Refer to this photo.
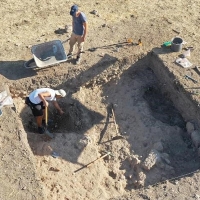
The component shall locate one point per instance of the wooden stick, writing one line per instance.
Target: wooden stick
(46, 116)
(98, 159)
(51, 135)
(89, 164)
(114, 120)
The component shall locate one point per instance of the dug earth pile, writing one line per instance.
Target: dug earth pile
(131, 124)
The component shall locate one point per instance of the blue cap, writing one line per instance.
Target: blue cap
(74, 9)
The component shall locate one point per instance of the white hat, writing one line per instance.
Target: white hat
(60, 92)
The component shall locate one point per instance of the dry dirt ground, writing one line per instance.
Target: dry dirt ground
(156, 159)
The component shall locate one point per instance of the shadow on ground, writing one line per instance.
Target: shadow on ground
(15, 70)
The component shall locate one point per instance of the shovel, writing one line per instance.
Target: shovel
(46, 124)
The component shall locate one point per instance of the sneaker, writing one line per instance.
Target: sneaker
(69, 55)
(41, 130)
(78, 60)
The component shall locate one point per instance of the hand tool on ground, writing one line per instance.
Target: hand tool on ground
(189, 77)
(46, 124)
(191, 48)
(89, 164)
(118, 136)
(120, 44)
(111, 112)
(65, 40)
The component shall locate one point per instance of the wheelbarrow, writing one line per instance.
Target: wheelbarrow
(47, 54)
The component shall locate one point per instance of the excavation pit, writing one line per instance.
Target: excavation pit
(155, 147)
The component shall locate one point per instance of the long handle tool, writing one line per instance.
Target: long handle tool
(89, 164)
(118, 135)
(189, 77)
(46, 124)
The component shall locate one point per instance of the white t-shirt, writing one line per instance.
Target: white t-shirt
(34, 98)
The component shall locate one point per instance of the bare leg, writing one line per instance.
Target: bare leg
(39, 121)
(43, 117)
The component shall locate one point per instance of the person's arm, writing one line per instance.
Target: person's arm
(42, 96)
(85, 26)
(72, 24)
(58, 107)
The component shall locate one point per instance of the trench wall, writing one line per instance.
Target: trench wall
(170, 77)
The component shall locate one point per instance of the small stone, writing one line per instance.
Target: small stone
(151, 160)
(94, 12)
(83, 142)
(197, 196)
(141, 178)
(195, 136)
(176, 182)
(165, 156)
(24, 188)
(190, 127)
(158, 146)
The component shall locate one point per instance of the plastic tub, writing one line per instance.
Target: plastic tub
(176, 45)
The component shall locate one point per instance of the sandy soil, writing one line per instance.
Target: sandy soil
(154, 159)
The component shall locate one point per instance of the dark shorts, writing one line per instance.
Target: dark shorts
(37, 109)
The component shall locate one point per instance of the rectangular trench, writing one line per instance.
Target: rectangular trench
(171, 82)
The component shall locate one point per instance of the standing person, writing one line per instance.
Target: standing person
(79, 32)
(38, 100)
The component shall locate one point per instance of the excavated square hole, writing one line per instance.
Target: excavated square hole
(155, 145)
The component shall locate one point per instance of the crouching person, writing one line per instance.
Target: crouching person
(39, 99)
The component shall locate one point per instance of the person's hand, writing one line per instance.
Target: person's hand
(61, 112)
(83, 39)
(46, 104)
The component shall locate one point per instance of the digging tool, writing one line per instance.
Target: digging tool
(46, 124)
(128, 41)
(65, 40)
(89, 164)
(113, 114)
(118, 136)
(189, 77)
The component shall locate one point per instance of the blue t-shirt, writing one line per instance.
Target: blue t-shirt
(78, 24)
